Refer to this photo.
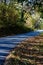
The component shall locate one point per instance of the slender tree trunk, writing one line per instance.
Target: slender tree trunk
(5, 1)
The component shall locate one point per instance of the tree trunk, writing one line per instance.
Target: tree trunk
(5, 1)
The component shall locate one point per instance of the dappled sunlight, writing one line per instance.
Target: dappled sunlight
(29, 20)
(36, 15)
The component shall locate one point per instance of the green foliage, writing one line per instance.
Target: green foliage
(8, 15)
(12, 16)
(10, 19)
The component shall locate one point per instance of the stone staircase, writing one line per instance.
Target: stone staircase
(9, 42)
(31, 49)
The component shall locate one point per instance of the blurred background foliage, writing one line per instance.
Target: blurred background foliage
(21, 15)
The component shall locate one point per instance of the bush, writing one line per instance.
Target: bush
(10, 20)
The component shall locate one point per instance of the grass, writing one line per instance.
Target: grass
(41, 34)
